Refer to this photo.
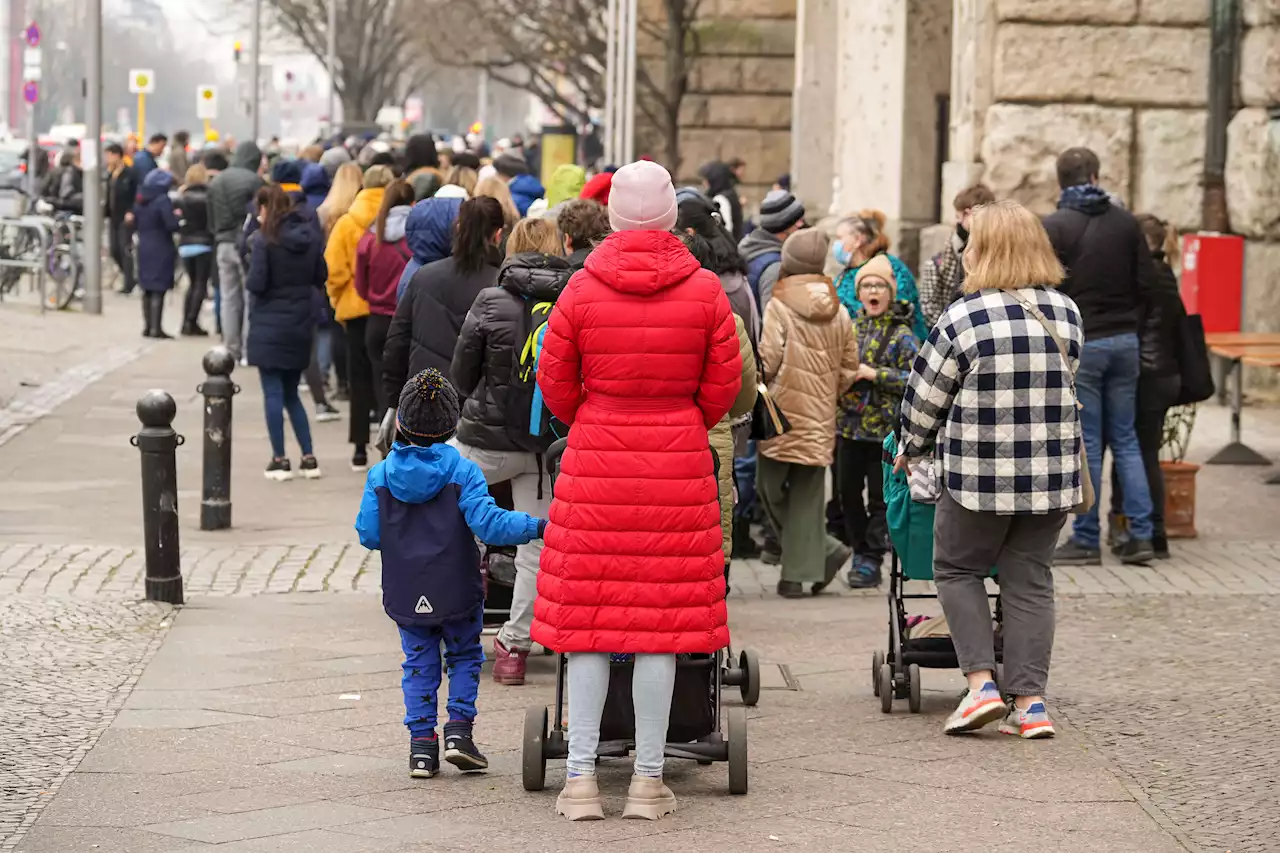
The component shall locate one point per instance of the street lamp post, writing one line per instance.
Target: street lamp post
(256, 97)
(331, 63)
(91, 161)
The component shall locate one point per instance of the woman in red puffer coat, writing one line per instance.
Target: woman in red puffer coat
(641, 359)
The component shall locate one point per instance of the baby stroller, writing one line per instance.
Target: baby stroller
(694, 731)
(897, 674)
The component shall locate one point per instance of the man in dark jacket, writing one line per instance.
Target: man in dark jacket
(1110, 276)
(121, 190)
(781, 215)
(147, 159)
(230, 195)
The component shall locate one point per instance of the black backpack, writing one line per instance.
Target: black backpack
(529, 422)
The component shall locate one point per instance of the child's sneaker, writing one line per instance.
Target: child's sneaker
(864, 573)
(977, 709)
(1031, 724)
(460, 750)
(279, 470)
(424, 757)
(310, 468)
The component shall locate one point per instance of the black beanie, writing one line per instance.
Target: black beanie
(428, 411)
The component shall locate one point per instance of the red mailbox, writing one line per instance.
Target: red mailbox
(1213, 279)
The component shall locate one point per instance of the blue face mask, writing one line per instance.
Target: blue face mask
(840, 253)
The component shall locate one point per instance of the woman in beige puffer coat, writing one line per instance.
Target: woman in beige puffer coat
(810, 356)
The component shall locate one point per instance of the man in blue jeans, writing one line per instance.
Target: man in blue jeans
(1110, 276)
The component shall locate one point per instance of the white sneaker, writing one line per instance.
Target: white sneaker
(1031, 724)
(977, 709)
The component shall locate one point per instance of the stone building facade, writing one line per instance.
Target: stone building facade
(738, 102)
(1020, 80)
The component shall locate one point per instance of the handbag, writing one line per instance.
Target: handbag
(767, 420)
(1087, 495)
(1194, 368)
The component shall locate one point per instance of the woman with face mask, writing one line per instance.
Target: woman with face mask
(859, 238)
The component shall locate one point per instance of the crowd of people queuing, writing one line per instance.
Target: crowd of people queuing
(471, 315)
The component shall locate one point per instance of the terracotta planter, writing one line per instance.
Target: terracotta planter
(1179, 499)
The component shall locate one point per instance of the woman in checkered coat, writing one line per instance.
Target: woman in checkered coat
(993, 391)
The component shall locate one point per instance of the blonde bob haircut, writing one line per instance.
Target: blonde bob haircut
(1009, 250)
(535, 235)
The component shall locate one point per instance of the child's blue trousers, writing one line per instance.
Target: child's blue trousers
(463, 654)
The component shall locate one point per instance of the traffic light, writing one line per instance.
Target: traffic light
(237, 52)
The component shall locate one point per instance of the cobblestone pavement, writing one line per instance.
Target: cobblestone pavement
(66, 667)
(86, 571)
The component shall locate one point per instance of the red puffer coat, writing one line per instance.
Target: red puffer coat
(641, 359)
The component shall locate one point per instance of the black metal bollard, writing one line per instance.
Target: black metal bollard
(218, 389)
(158, 443)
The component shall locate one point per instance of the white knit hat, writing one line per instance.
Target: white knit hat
(642, 198)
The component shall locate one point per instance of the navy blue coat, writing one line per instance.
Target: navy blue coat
(156, 224)
(286, 279)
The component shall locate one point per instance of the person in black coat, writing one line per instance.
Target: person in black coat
(1159, 380)
(286, 280)
(195, 245)
(430, 313)
(121, 189)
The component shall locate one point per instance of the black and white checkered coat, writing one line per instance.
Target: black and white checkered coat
(991, 391)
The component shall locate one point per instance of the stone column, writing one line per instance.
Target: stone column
(893, 63)
(973, 51)
(813, 122)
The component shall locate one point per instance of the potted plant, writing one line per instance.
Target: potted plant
(1179, 475)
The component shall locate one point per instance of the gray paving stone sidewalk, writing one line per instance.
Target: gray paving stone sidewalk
(245, 734)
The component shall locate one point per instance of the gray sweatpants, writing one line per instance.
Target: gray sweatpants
(235, 308)
(966, 544)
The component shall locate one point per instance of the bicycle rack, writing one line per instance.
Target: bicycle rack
(43, 227)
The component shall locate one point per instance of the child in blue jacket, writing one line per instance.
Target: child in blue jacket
(423, 506)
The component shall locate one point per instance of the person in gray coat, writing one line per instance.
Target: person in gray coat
(230, 196)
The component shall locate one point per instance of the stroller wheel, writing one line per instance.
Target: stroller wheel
(533, 755)
(749, 664)
(886, 688)
(913, 688)
(877, 661)
(737, 750)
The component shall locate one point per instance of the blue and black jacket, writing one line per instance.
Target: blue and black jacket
(421, 507)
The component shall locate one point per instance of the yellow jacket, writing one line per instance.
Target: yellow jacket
(340, 255)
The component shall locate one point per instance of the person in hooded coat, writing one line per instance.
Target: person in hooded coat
(640, 359)
(429, 233)
(566, 183)
(315, 184)
(722, 189)
(525, 190)
(380, 261)
(351, 310)
(495, 428)
(430, 312)
(156, 224)
(230, 194)
(286, 276)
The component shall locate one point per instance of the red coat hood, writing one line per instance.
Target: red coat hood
(641, 262)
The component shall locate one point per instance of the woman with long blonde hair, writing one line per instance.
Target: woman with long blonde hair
(496, 188)
(994, 390)
(347, 183)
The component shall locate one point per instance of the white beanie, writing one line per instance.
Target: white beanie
(642, 198)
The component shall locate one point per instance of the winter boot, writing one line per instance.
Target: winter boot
(508, 664)
(580, 799)
(459, 749)
(424, 757)
(156, 315)
(648, 799)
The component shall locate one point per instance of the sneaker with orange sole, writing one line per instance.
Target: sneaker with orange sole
(977, 709)
(1031, 724)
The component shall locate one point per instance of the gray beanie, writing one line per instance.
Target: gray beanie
(805, 252)
(779, 211)
(428, 411)
(333, 158)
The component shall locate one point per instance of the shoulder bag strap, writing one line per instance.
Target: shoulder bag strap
(1034, 310)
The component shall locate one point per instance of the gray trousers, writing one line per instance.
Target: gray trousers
(966, 545)
(235, 312)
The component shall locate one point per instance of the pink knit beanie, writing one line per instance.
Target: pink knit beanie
(642, 198)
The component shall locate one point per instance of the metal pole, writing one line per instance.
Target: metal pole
(218, 389)
(33, 151)
(610, 61)
(482, 106)
(331, 64)
(1223, 59)
(629, 116)
(256, 97)
(159, 443)
(91, 160)
(620, 84)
